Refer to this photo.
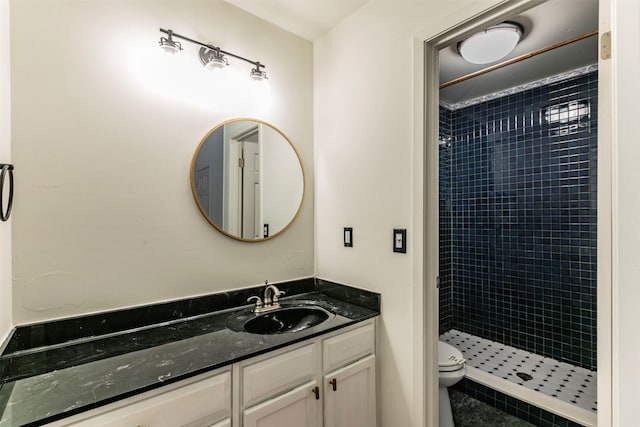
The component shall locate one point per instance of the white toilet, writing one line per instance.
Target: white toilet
(451, 369)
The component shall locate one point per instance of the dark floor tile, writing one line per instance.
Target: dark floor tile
(469, 412)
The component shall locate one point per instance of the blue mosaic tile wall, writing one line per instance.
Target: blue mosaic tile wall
(445, 297)
(522, 197)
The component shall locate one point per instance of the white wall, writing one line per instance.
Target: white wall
(625, 65)
(362, 106)
(104, 129)
(5, 157)
(367, 74)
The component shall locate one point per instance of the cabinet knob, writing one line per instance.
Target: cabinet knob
(316, 391)
(334, 384)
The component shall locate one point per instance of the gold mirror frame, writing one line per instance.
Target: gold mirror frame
(204, 212)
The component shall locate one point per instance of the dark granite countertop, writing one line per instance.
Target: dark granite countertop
(57, 369)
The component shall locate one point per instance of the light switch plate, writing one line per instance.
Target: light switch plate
(348, 237)
(400, 240)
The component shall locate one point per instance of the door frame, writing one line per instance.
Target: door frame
(429, 130)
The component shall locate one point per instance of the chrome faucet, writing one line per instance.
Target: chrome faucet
(271, 295)
(259, 304)
(270, 300)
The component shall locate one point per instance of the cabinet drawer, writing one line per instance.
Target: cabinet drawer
(269, 377)
(348, 347)
(199, 404)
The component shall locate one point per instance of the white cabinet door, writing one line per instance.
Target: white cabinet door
(296, 408)
(350, 395)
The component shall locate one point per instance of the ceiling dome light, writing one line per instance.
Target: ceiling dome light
(169, 45)
(212, 59)
(492, 44)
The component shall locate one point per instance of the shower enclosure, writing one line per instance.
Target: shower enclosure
(518, 215)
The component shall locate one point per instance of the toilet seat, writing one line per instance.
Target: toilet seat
(452, 369)
(449, 358)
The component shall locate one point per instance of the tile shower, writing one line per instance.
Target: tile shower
(518, 220)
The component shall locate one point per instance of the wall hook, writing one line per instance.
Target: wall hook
(7, 169)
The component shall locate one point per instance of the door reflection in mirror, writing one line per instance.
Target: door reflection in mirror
(247, 178)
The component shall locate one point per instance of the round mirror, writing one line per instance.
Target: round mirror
(247, 179)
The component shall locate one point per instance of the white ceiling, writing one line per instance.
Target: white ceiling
(551, 22)
(308, 19)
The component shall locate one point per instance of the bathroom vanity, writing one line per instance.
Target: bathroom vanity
(190, 367)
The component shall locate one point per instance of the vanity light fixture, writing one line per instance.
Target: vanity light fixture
(212, 57)
(491, 44)
(256, 74)
(169, 45)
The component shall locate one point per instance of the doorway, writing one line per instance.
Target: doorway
(242, 184)
(432, 49)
